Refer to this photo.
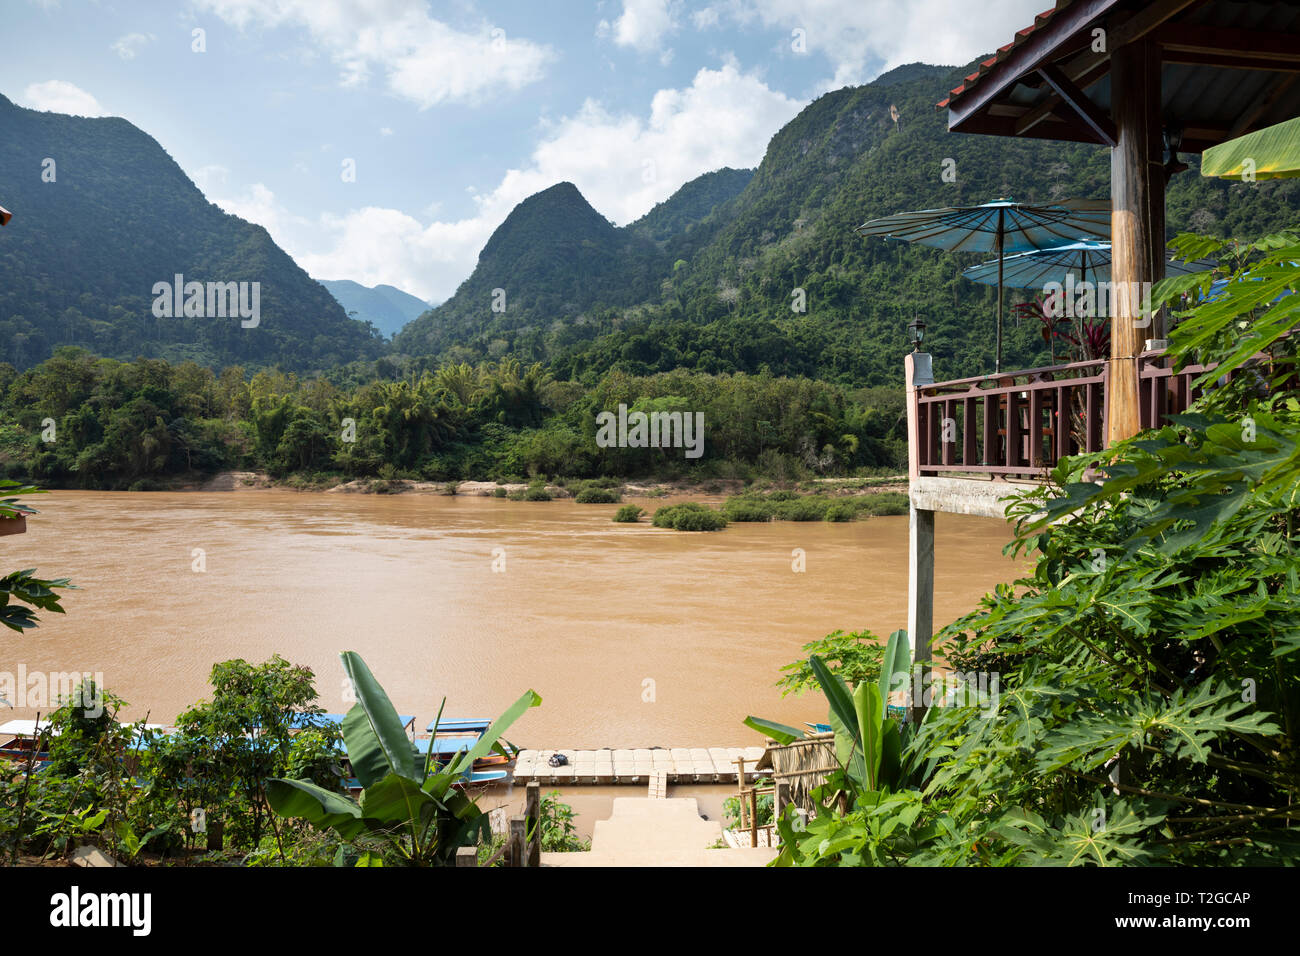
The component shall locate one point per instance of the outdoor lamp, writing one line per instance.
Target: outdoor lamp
(917, 328)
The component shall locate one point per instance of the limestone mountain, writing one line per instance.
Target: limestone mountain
(724, 287)
(101, 214)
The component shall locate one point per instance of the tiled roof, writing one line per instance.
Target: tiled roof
(1021, 36)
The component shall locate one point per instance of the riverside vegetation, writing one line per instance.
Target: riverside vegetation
(1150, 688)
(242, 782)
(77, 420)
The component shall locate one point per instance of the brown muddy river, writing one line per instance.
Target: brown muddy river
(634, 636)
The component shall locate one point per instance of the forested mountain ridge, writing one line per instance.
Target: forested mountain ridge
(723, 296)
(555, 256)
(101, 214)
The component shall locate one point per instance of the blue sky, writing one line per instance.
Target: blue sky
(453, 112)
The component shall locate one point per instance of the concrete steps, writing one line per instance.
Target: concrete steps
(645, 831)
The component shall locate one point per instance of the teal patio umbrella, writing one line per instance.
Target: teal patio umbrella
(1087, 261)
(1002, 226)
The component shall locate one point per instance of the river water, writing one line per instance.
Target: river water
(634, 636)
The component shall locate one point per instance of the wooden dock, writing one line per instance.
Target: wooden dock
(678, 764)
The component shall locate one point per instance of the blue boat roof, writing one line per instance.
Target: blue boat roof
(472, 724)
(302, 721)
(446, 745)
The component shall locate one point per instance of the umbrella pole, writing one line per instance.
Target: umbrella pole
(997, 361)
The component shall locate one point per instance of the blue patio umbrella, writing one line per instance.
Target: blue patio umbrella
(1002, 226)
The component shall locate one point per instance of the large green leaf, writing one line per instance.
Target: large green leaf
(896, 668)
(397, 799)
(318, 806)
(869, 709)
(377, 744)
(837, 695)
(1272, 153)
(485, 743)
(781, 733)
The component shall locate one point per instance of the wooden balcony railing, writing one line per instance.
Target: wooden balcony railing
(1020, 424)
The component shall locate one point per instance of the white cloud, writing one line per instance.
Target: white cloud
(132, 43)
(643, 24)
(622, 163)
(60, 96)
(422, 59)
(259, 205)
(866, 37)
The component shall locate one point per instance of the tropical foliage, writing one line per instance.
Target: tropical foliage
(81, 421)
(411, 811)
(1135, 698)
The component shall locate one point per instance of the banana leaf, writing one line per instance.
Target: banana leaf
(318, 806)
(483, 747)
(397, 799)
(781, 733)
(896, 668)
(377, 744)
(1272, 152)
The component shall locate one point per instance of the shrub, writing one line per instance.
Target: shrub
(537, 493)
(745, 508)
(841, 512)
(598, 496)
(628, 514)
(689, 516)
(885, 503)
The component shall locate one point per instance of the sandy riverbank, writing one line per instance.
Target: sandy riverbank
(228, 481)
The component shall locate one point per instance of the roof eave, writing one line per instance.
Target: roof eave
(1064, 24)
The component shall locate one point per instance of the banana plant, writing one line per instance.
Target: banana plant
(410, 808)
(868, 742)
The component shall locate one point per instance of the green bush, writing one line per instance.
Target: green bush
(628, 514)
(841, 512)
(537, 493)
(689, 516)
(598, 496)
(746, 508)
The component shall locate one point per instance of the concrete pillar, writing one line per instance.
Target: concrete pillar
(920, 581)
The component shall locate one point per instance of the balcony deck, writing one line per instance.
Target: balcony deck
(1019, 424)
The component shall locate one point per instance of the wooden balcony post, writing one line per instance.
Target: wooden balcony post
(533, 814)
(920, 548)
(916, 372)
(1135, 97)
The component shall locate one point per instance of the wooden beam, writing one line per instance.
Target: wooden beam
(1026, 57)
(1233, 61)
(1246, 123)
(1051, 127)
(1157, 182)
(1078, 101)
(1083, 75)
(1147, 19)
(1248, 44)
